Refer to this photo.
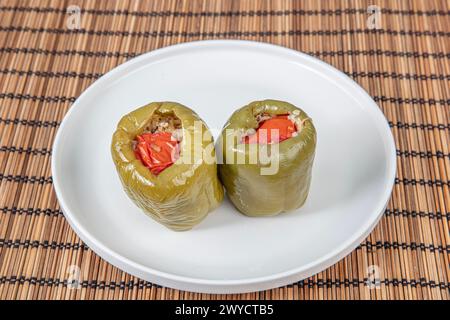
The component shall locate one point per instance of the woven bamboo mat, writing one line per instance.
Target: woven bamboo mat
(404, 65)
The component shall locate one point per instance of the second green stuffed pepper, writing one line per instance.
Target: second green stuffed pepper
(268, 150)
(164, 155)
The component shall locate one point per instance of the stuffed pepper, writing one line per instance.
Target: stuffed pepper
(163, 155)
(267, 157)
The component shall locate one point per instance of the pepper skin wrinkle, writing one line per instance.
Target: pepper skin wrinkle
(251, 192)
(181, 195)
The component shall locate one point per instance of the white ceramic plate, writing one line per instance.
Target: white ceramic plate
(353, 172)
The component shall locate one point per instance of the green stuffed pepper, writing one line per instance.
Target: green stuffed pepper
(163, 155)
(268, 151)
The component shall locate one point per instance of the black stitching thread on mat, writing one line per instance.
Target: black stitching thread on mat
(362, 74)
(249, 13)
(414, 214)
(422, 282)
(32, 211)
(93, 284)
(140, 284)
(421, 126)
(378, 52)
(400, 153)
(422, 182)
(7, 243)
(26, 179)
(34, 98)
(31, 123)
(102, 54)
(402, 245)
(370, 246)
(186, 34)
(52, 74)
(400, 76)
(421, 101)
(388, 212)
(57, 99)
(106, 54)
(55, 124)
(43, 180)
(422, 154)
(29, 150)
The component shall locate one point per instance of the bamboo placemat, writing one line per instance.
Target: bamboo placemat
(404, 65)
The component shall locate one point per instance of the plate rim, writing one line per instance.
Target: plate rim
(241, 285)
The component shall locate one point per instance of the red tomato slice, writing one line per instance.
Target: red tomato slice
(157, 151)
(263, 134)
